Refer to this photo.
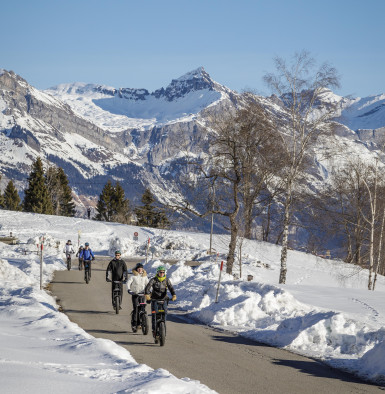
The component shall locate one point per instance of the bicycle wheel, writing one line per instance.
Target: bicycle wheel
(87, 276)
(162, 333)
(144, 323)
(68, 263)
(117, 304)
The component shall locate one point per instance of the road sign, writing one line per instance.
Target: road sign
(135, 236)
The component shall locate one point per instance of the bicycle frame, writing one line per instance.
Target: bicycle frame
(160, 320)
(87, 270)
(116, 295)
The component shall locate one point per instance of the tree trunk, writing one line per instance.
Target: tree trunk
(233, 244)
(379, 251)
(285, 239)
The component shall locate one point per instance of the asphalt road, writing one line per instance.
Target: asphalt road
(224, 362)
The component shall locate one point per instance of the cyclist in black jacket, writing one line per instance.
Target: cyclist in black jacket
(158, 286)
(116, 270)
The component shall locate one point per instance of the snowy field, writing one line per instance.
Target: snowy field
(324, 311)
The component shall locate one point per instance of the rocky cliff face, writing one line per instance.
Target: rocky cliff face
(98, 133)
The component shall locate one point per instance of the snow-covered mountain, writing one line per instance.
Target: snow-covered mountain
(120, 109)
(96, 132)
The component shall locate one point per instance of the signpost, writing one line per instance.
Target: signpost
(148, 246)
(219, 282)
(41, 262)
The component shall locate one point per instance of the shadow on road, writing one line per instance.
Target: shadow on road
(127, 343)
(68, 283)
(87, 312)
(112, 332)
(320, 370)
(237, 340)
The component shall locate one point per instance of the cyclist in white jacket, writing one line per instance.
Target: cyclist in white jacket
(68, 249)
(136, 284)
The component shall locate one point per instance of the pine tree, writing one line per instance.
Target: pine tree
(11, 198)
(113, 205)
(67, 206)
(121, 206)
(37, 198)
(105, 205)
(149, 215)
(60, 192)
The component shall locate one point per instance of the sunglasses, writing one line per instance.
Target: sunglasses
(161, 272)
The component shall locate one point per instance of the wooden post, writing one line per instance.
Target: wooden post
(148, 246)
(219, 282)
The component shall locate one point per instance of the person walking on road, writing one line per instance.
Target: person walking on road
(80, 259)
(156, 289)
(87, 255)
(117, 271)
(136, 284)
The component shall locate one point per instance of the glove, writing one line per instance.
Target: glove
(148, 297)
(108, 280)
(173, 298)
(93, 258)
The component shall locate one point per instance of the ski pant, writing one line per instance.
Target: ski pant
(87, 262)
(135, 305)
(154, 309)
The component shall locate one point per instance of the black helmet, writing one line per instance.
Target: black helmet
(69, 241)
(86, 244)
(139, 265)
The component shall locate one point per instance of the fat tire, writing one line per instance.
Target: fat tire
(117, 305)
(144, 323)
(162, 333)
(68, 264)
(87, 276)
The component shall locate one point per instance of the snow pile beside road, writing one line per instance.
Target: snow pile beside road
(272, 315)
(324, 310)
(41, 350)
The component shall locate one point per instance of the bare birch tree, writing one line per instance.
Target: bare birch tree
(237, 141)
(300, 87)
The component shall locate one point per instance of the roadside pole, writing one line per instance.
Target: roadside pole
(41, 265)
(148, 246)
(79, 233)
(219, 282)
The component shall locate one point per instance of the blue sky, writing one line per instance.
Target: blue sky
(146, 43)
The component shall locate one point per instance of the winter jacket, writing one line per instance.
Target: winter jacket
(79, 251)
(137, 283)
(116, 270)
(158, 289)
(86, 254)
(68, 249)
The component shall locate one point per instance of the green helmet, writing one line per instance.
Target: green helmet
(161, 268)
(118, 252)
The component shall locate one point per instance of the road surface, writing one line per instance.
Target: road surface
(224, 362)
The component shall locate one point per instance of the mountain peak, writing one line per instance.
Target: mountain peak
(198, 73)
(195, 80)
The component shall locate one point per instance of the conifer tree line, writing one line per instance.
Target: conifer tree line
(48, 192)
(113, 206)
